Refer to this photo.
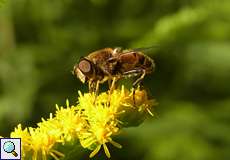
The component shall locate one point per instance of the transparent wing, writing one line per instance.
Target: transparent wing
(144, 49)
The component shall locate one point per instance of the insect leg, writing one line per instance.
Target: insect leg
(134, 72)
(96, 90)
(111, 89)
(109, 83)
(90, 85)
(97, 87)
(137, 81)
(140, 78)
(113, 84)
(134, 101)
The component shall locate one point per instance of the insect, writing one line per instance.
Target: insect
(110, 65)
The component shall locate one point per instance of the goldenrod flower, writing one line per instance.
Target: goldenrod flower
(70, 121)
(105, 118)
(41, 144)
(25, 138)
(94, 121)
(101, 117)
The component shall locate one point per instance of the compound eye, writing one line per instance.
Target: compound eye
(85, 66)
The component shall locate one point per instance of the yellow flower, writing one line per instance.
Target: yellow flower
(139, 100)
(104, 116)
(94, 121)
(25, 138)
(42, 144)
(101, 122)
(70, 121)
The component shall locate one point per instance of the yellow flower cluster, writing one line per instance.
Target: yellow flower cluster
(93, 121)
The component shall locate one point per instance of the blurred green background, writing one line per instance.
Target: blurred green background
(41, 40)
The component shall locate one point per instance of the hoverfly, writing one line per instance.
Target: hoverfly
(110, 65)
